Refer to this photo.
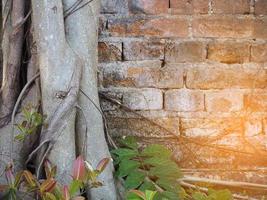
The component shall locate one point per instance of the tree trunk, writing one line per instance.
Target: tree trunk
(66, 41)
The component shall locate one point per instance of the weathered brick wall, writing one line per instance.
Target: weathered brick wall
(198, 68)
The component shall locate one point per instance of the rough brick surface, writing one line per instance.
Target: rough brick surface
(221, 76)
(145, 99)
(259, 53)
(225, 27)
(210, 127)
(224, 101)
(143, 50)
(260, 7)
(186, 52)
(184, 100)
(157, 27)
(229, 52)
(189, 7)
(253, 127)
(256, 102)
(143, 128)
(148, 6)
(231, 7)
(109, 51)
(142, 74)
(260, 28)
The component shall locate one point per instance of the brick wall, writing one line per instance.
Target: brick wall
(198, 68)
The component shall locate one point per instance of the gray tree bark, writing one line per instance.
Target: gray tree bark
(67, 60)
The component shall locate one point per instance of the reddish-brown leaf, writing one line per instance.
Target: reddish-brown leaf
(102, 164)
(79, 169)
(48, 185)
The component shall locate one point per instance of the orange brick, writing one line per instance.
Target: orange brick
(261, 7)
(231, 7)
(260, 28)
(143, 50)
(259, 53)
(256, 102)
(189, 7)
(185, 52)
(148, 6)
(142, 74)
(229, 52)
(227, 26)
(222, 76)
(109, 51)
(158, 27)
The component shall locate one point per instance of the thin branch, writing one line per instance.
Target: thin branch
(203, 189)
(180, 137)
(76, 8)
(225, 183)
(16, 107)
(110, 140)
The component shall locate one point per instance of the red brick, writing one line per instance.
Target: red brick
(148, 6)
(259, 53)
(229, 52)
(189, 7)
(109, 51)
(231, 7)
(143, 50)
(260, 28)
(157, 27)
(219, 77)
(142, 74)
(224, 26)
(261, 7)
(185, 52)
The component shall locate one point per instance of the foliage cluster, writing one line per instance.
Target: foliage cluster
(24, 184)
(150, 173)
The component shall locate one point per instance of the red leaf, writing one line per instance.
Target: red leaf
(10, 176)
(48, 185)
(102, 164)
(79, 169)
(66, 193)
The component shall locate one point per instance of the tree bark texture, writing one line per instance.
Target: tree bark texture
(66, 57)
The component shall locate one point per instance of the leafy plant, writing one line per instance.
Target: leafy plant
(151, 174)
(148, 169)
(32, 120)
(26, 184)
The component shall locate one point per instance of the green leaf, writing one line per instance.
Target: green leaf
(150, 194)
(75, 187)
(157, 150)
(169, 195)
(199, 196)
(134, 180)
(20, 137)
(168, 184)
(135, 195)
(129, 142)
(126, 167)
(159, 161)
(171, 171)
(147, 186)
(220, 195)
(124, 153)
